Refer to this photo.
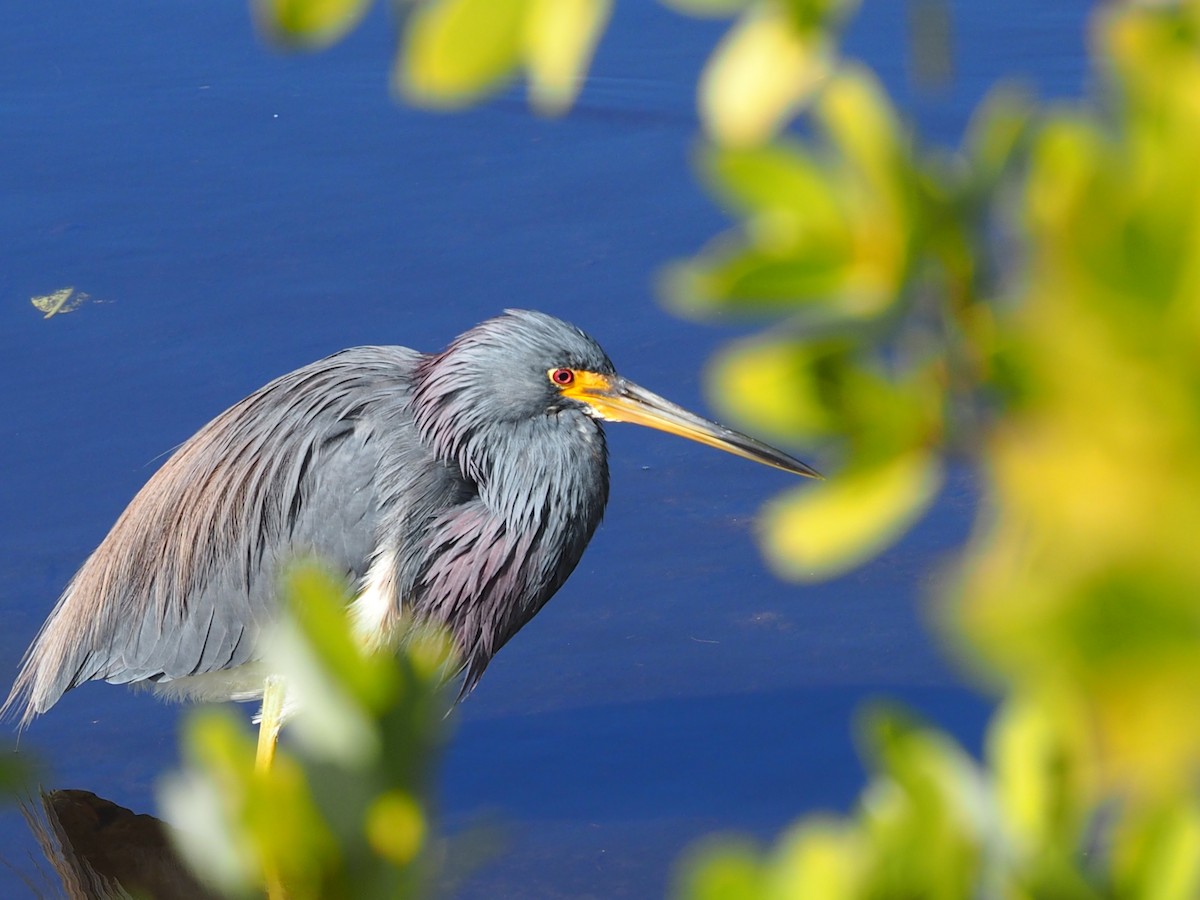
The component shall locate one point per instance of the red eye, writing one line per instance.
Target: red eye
(562, 377)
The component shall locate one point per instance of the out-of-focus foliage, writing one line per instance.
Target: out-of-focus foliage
(559, 39)
(1028, 303)
(833, 226)
(1086, 579)
(15, 773)
(310, 24)
(761, 74)
(933, 823)
(811, 535)
(345, 811)
(860, 244)
(456, 52)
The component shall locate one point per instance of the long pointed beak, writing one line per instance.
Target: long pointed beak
(616, 399)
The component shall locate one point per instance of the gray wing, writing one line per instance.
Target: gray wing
(184, 582)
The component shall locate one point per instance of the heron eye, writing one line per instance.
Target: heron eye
(562, 377)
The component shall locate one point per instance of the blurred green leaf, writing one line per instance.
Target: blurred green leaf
(818, 859)
(780, 388)
(818, 14)
(762, 73)
(828, 388)
(728, 870)
(560, 37)
(862, 126)
(926, 813)
(748, 281)
(322, 661)
(1035, 748)
(347, 811)
(1158, 856)
(815, 532)
(241, 828)
(821, 858)
(318, 606)
(310, 24)
(456, 51)
(996, 132)
(790, 202)
(858, 116)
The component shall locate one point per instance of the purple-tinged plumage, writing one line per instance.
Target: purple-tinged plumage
(460, 488)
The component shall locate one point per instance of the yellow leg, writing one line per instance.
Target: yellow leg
(274, 693)
(272, 718)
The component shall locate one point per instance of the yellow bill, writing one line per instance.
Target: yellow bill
(616, 399)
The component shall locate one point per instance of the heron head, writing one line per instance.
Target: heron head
(527, 365)
(489, 388)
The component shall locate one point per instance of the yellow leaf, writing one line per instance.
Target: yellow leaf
(218, 753)
(1042, 781)
(396, 827)
(341, 683)
(309, 23)
(560, 37)
(860, 119)
(458, 50)
(822, 531)
(821, 858)
(1160, 853)
(722, 870)
(61, 301)
(773, 386)
(760, 75)
(788, 198)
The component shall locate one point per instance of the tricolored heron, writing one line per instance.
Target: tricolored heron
(459, 488)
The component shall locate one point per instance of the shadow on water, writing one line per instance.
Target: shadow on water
(98, 850)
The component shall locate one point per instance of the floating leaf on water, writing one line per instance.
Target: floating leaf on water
(64, 300)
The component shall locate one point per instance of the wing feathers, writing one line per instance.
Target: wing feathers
(184, 582)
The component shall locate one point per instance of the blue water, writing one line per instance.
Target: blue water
(234, 213)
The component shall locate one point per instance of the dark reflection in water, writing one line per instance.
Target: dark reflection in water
(101, 851)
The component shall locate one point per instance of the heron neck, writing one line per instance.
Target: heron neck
(490, 563)
(544, 472)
